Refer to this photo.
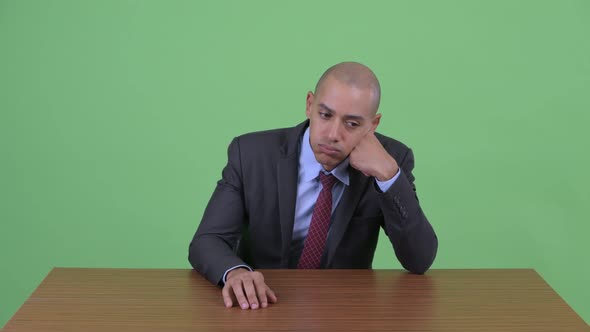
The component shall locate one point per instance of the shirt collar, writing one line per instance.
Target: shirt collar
(309, 168)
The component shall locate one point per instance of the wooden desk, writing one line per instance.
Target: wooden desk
(312, 300)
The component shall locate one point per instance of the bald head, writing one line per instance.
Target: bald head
(353, 74)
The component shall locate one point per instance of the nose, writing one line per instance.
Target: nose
(334, 133)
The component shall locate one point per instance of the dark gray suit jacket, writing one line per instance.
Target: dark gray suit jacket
(249, 219)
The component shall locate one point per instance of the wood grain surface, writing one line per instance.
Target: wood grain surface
(308, 300)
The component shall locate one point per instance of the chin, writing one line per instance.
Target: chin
(331, 163)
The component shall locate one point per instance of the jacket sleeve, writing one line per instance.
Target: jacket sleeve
(413, 238)
(212, 250)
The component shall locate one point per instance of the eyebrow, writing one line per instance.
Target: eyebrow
(348, 116)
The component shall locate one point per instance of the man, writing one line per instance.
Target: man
(313, 196)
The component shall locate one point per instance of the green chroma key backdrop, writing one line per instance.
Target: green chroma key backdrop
(116, 115)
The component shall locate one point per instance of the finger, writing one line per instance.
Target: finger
(239, 292)
(271, 295)
(227, 298)
(251, 293)
(261, 291)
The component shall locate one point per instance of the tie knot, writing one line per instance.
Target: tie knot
(327, 180)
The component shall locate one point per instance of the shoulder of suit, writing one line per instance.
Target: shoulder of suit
(391, 143)
(267, 142)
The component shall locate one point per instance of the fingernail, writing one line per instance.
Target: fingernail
(244, 306)
(254, 306)
(264, 304)
(228, 304)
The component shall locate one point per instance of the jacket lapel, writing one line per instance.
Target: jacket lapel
(344, 211)
(287, 173)
(287, 178)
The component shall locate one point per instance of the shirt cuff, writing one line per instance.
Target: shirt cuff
(385, 185)
(224, 279)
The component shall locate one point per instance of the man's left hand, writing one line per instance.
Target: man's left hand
(369, 157)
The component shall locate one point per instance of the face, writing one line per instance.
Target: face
(339, 116)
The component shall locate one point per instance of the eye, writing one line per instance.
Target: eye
(324, 115)
(352, 124)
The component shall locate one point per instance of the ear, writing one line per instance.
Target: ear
(308, 104)
(375, 122)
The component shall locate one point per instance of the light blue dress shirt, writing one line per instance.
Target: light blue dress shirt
(308, 190)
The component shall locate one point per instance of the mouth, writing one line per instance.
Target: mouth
(326, 149)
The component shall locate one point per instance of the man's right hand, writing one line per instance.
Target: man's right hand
(248, 289)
